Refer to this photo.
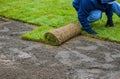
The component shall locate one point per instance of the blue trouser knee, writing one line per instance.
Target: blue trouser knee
(94, 16)
(116, 8)
(97, 14)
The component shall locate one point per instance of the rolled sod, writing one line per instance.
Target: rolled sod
(62, 34)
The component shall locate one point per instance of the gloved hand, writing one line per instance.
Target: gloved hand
(109, 23)
(90, 31)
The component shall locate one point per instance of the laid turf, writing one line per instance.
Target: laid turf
(49, 14)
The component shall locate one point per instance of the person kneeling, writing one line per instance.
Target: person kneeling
(91, 10)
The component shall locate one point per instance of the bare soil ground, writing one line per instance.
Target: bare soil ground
(79, 58)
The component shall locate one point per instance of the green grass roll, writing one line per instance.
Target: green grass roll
(62, 34)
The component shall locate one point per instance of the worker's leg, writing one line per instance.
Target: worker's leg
(94, 16)
(116, 8)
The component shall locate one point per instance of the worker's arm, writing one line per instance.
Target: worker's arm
(83, 20)
(76, 4)
(109, 13)
(82, 16)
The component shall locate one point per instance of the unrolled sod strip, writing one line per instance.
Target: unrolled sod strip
(60, 35)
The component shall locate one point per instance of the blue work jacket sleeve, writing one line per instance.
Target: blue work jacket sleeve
(76, 4)
(82, 16)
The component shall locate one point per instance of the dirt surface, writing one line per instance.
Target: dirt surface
(79, 58)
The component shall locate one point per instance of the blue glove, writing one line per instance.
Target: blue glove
(90, 31)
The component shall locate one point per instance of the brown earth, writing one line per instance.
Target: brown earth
(79, 58)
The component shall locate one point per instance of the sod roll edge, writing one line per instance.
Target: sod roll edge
(62, 34)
